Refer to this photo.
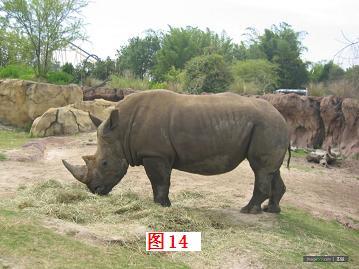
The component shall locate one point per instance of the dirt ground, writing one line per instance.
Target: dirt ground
(328, 193)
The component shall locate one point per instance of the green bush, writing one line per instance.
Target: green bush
(158, 85)
(254, 76)
(17, 71)
(207, 73)
(59, 78)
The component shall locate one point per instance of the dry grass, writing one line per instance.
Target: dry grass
(228, 237)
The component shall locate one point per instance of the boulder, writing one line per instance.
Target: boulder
(99, 108)
(302, 114)
(332, 116)
(21, 102)
(315, 122)
(349, 143)
(62, 121)
(105, 93)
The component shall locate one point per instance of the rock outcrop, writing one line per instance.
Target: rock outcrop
(108, 94)
(316, 122)
(21, 102)
(303, 117)
(62, 121)
(99, 108)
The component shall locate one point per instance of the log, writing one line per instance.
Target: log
(322, 157)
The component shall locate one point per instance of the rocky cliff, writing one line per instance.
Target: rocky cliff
(320, 121)
(21, 102)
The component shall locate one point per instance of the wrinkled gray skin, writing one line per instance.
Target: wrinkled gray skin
(207, 135)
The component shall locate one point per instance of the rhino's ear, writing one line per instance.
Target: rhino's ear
(96, 121)
(113, 120)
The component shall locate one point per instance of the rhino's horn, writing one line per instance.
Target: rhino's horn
(78, 171)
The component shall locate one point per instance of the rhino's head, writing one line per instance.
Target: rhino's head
(108, 166)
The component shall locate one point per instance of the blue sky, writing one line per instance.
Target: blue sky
(110, 23)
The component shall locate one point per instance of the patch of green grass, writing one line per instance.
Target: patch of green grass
(299, 153)
(2, 157)
(17, 71)
(12, 139)
(127, 81)
(29, 245)
(276, 241)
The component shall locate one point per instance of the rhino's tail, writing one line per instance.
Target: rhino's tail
(290, 155)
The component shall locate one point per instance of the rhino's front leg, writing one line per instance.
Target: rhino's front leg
(159, 172)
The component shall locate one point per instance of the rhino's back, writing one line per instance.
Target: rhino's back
(206, 134)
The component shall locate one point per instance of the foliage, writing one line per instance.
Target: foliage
(260, 73)
(59, 78)
(48, 25)
(352, 75)
(17, 71)
(179, 45)
(128, 81)
(68, 68)
(282, 46)
(325, 72)
(175, 79)
(208, 73)
(158, 85)
(14, 49)
(138, 56)
(343, 87)
(104, 69)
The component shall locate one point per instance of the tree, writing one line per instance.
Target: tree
(179, 45)
(282, 46)
(207, 73)
(103, 69)
(138, 56)
(260, 72)
(14, 49)
(48, 24)
(326, 72)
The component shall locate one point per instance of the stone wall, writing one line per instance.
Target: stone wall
(21, 102)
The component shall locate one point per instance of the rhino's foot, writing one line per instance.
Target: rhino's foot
(251, 209)
(271, 208)
(165, 202)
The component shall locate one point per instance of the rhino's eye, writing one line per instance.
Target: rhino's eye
(104, 163)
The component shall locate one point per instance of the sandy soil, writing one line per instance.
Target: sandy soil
(328, 193)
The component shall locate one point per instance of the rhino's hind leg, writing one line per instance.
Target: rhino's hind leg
(261, 192)
(159, 173)
(278, 189)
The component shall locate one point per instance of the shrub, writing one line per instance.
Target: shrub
(17, 71)
(207, 73)
(158, 85)
(254, 76)
(59, 78)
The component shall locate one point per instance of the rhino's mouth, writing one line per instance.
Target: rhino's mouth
(101, 190)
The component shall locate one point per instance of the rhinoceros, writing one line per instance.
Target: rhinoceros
(201, 134)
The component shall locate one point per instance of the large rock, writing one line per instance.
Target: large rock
(349, 144)
(302, 114)
(62, 121)
(332, 115)
(22, 101)
(320, 121)
(105, 93)
(99, 107)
